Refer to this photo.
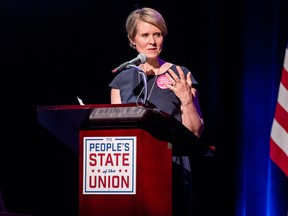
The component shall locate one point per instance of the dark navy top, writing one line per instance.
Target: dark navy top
(131, 87)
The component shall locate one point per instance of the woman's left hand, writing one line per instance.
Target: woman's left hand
(180, 85)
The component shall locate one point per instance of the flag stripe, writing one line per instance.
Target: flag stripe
(279, 131)
(278, 156)
(280, 137)
(281, 114)
(285, 76)
(285, 64)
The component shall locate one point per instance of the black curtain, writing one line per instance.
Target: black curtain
(53, 51)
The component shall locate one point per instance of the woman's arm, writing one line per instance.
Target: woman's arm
(187, 94)
(115, 96)
(191, 114)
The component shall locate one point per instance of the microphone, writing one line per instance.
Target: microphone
(140, 59)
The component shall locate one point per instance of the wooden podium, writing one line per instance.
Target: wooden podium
(125, 155)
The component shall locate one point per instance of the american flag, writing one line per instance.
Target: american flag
(279, 131)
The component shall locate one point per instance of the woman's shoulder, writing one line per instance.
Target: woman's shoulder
(125, 76)
(173, 67)
(184, 69)
(126, 72)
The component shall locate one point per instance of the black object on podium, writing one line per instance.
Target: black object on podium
(65, 121)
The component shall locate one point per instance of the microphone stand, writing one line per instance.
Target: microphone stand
(144, 77)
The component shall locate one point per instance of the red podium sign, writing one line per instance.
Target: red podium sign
(133, 179)
(125, 155)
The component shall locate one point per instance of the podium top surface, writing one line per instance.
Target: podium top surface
(65, 121)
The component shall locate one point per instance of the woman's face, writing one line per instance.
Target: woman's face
(148, 40)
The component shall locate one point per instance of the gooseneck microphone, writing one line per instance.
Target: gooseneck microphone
(140, 59)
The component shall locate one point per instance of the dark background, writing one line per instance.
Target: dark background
(53, 51)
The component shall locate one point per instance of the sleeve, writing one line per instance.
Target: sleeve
(185, 70)
(114, 83)
(117, 81)
(122, 78)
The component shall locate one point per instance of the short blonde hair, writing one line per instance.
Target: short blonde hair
(147, 15)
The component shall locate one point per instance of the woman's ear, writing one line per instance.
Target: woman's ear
(130, 40)
(132, 44)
